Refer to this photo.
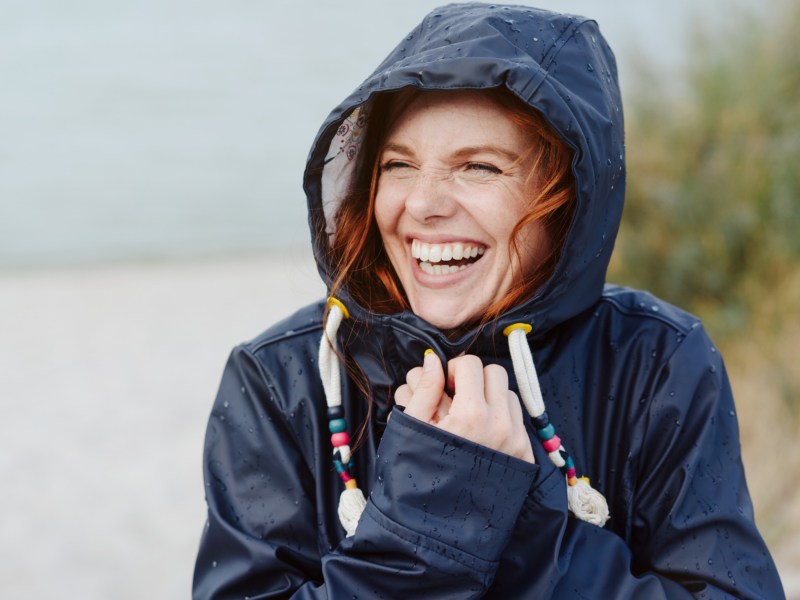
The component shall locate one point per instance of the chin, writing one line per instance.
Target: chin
(449, 319)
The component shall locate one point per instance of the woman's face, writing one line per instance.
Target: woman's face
(453, 184)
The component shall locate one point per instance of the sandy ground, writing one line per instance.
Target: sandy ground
(107, 376)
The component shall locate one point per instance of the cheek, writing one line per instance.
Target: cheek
(385, 213)
(533, 245)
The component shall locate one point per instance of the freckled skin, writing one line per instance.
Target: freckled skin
(448, 174)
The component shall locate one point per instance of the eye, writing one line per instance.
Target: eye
(482, 168)
(394, 165)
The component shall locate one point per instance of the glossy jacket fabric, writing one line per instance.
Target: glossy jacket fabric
(634, 387)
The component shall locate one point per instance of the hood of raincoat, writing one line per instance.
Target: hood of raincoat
(560, 66)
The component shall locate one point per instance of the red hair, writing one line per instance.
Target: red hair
(356, 253)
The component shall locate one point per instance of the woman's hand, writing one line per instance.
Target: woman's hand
(482, 409)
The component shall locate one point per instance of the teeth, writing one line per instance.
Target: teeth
(435, 253)
(440, 269)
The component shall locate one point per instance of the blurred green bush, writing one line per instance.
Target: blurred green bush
(712, 220)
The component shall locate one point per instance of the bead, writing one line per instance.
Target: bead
(350, 484)
(552, 444)
(345, 476)
(571, 473)
(335, 302)
(339, 465)
(344, 453)
(572, 481)
(337, 425)
(569, 462)
(556, 459)
(541, 421)
(525, 327)
(335, 412)
(545, 433)
(340, 439)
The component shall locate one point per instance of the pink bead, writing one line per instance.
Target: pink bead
(553, 444)
(345, 476)
(340, 439)
(570, 473)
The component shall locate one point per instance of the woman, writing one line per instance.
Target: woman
(464, 203)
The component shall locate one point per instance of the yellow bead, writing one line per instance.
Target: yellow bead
(334, 302)
(351, 485)
(524, 326)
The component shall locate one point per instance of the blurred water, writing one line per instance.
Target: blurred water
(180, 128)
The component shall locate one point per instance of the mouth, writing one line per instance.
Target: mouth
(443, 259)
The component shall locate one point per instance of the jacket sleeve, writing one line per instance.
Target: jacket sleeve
(691, 532)
(440, 513)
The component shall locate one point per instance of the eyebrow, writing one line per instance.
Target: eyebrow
(460, 153)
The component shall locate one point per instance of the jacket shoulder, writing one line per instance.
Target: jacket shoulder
(638, 303)
(284, 359)
(306, 323)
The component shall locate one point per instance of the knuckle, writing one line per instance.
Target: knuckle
(469, 361)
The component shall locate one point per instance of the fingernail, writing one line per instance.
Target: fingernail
(429, 360)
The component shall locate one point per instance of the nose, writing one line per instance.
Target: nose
(431, 197)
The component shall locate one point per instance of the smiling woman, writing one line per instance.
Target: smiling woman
(550, 436)
(452, 180)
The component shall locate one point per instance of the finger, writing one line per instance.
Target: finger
(444, 408)
(402, 395)
(465, 378)
(495, 385)
(428, 391)
(413, 377)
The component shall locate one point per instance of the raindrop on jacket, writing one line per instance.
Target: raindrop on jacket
(632, 384)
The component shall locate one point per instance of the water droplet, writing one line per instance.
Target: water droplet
(214, 564)
(226, 404)
(535, 39)
(654, 308)
(589, 67)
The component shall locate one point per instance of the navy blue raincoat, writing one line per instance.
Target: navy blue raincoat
(633, 385)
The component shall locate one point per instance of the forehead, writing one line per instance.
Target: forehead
(456, 117)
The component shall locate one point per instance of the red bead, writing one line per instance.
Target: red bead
(340, 439)
(570, 473)
(553, 444)
(345, 476)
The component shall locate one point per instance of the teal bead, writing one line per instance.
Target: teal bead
(570, 463)
(546, 432)
(337, 425)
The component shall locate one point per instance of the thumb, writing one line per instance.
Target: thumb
(428, 392)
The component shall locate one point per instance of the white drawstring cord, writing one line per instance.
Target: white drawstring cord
(583, 500)
(351, 501)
